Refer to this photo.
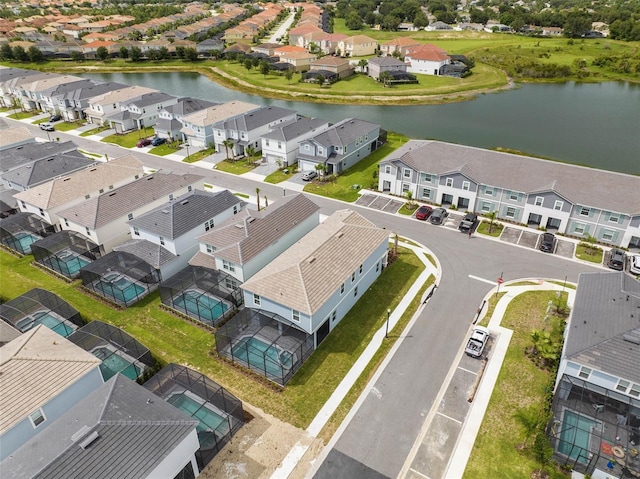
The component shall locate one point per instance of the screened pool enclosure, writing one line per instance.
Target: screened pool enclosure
(206, 295)
(118, 351)
(265, 343)
(40, 306)
(19, 231)
(120, 277)
(219, 412)
(65, 252)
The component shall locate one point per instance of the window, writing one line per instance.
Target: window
(228, 266)
(584, 372)
(377, 267)
(189, 188)
(161, 240)
(387, 169)
(295, 315)
(235, 209)
(171, 197)
(406, 172)
(579, 228)
(136, 231)
(426, 193)
(280, 145)
(24, 205)
(539, 201)
(41, 212)
(510, 213)
(584, 211)
(256, 299)
(635, 390)
(615, 218)
(208, 225)
(513, 196)
(37, 418)
(355, 291)
(360, 269)
(449, 181)
(466, 185)
(130, 216)
(607, 235)
(333, 316)
(623, 386)
(405, 187)
(87, 231)
(558, 205)
(209, 248)
(66, 222)
(231, 283)
(353, 276)
(488, 191)
(485, 206)
(342, 288)
(101, 190)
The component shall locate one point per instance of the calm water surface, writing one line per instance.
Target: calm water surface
(590, 124)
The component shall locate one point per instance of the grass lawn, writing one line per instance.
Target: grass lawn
(94, 131)
(21, 115)
(236, 167)
(520, 390)
(68, 125)
(129, 140)
(587, 252)
(361, 174)
(173, 340)
(496, 229)
(199, 155)
(279, 175)
(408, 209)
(165, 149)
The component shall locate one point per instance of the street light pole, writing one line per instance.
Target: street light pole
(386, 332)
(187, 146)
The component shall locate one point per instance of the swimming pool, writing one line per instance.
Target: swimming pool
(575, 436)
(24, 240)
(262, 356)
(200, 305)
(68, 263)
(120, 288)
(211, 422)
(49, 319)
(114, 362)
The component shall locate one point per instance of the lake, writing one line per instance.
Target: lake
(592, 124)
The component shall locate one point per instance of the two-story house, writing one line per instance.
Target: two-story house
(282, 142)
(103, 218)
(106, 104)
(317, 281)
(561, 197)
(140, 112)
(72, 102)
(175, 226)
(246, 243)
(339, 147)
(377, 65)
(357, 46)
(398, 46)
(171, 118)
(426, 59)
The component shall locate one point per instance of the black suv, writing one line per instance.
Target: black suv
(616, 261)
(438, 216)
(548, 242)
(468, 222)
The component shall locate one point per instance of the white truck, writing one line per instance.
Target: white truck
(477, 342)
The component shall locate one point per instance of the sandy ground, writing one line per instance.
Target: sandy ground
(257, 449)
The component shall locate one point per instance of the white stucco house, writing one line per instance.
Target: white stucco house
(282, 142)
(426, 59)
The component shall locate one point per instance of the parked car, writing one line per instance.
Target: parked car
(634, 264)
(616, 261)
(423, 212)
(309, 175)
(468, 222)
(46, 127)
(548, 242)
(55, 117)
(157, 141)
(438, 216)
(477, 342)
(143, 142)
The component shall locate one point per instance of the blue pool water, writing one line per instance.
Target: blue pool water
(121, 289)
(200, 306)
(24, 241)
(113, 363)
(210, 420)
(69, 265)
(47, 319)
(575, 435)
(262, 356)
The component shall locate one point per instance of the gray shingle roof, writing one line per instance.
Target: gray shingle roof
(19, 155)
(48, 168)
(606, 310)
(148, 99)
(616, 192)
(344, 132)
(294, 129)
(177, 217)
(187, 105)
(243, 237)
(135, 431)
(151, 253)
(386, 61)
(102, 210)
(253, 119)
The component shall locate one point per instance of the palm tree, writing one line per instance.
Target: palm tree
(385, 77)
(492, 217)
(363, 65)
(228, 144)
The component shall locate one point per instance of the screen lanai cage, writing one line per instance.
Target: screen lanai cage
(594, 428)
(264, 342)
(18, 231)
(206, 295)
(120, 277)
(118, 351)
(219, 412)
(39, 306)
(65, 252)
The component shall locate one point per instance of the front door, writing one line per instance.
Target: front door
(534, 219)
(463, 203)
(553, 224)
(447, 199)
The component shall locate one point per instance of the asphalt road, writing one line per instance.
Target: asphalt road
(378, 439)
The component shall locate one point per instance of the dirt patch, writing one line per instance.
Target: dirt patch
(257, 450)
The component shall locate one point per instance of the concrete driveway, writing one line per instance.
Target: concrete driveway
(529, 239)
(380, 203)
(510, 235)
(565, 248)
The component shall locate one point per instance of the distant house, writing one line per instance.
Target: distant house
(105, 104)
(340, 146)
(209, 45)
(267, 49)
(399, 46)
(378, 65)
(33, 360)
(246, 243)
(13, 137)
(326, 43)
(171, 118)
(357, 46)
(336, 66)
(426, 59)
(282, 142)
(436, 26)
(299, 31)
(301, 61)
(317, 281)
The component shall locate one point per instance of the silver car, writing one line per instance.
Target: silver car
(309, 175)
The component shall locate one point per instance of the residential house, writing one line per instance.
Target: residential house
(378, 65)
(43, 375)
(596, 405)
(426, 59)
(321, 42)
(12, 137)
(332, 66)
(175, 225)
(140, 112)
(49, 198)
(438, 26)
(106, 104)
(357, 46)
(11, 81)
(103, 218)
(301, 61)
(398, 46)
(30, 152)
(30, 94)
(171, 118)
(299, 31)
(48, 96)
(287, 49)
(209, 45)
(267, 49)
(90, 50)
(339, 147)
(560, 197)
(246, 243)
(72, 102)
(282, 142)
(46, 169)
(317, 281)
(198, 126)
(119, 430)
(245, 130)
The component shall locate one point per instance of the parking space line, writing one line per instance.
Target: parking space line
(467, 371)
(419, 473)
(449, 417)
(478, 278)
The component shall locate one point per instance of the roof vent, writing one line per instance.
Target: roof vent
(185, 202)
(83, 430)
(250, 220)
(631, 338)
(90, 439)
(165, 211)
(112, 194)
(311, 259)
(340, 234)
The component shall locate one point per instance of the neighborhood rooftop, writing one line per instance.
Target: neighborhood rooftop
(253, 119)
(293, 129)
(17, 156)
(48, 168)
(219, 112)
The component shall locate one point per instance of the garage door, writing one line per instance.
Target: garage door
(306, 165)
